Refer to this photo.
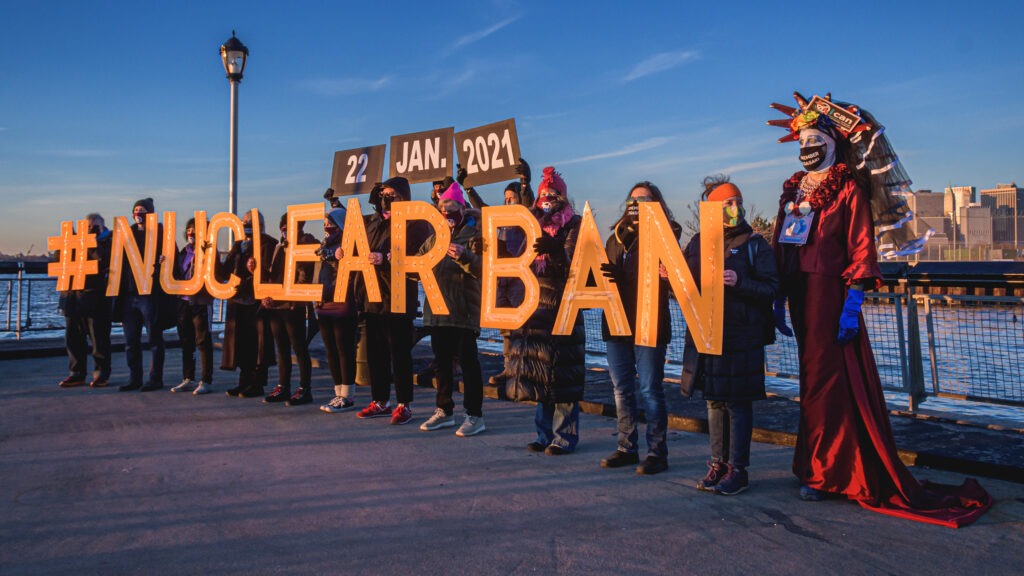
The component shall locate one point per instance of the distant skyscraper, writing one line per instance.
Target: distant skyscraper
(1007, 204)
(955, 197)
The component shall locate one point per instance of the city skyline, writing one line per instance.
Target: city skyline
(135, 104)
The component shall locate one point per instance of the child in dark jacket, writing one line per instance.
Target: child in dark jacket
(733, 380)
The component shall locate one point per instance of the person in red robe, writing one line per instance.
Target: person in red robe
(825, 245)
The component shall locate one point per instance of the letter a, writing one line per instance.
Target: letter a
(587, 260)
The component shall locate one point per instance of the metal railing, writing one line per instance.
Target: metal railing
(965, 347)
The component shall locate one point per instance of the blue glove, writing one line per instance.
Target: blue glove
(849, 320)
(780, 317)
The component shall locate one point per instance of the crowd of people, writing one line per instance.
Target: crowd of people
(821, 258)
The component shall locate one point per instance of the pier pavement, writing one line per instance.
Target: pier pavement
(101, 482)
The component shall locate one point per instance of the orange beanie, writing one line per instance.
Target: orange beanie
(725, 191)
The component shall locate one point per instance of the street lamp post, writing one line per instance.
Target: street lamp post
(234, 54)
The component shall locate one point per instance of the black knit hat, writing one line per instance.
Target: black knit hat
(146, 203)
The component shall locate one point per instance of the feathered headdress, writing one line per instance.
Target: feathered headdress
(875, 162)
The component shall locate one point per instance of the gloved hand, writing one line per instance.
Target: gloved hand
(612, 272)
(460, 175)
(849, 320)
(523, 169)
(548, 245)
(780, 317)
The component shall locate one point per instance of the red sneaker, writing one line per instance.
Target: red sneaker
(401, 415)
(375, 410)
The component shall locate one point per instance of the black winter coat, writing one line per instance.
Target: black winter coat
(543, 367)
(738, 374)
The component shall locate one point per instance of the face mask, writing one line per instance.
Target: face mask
(140, 219)
(190, 239)
(385, 204)
(454, 218)
(248, 232)
(733, 215)
(633, 210)
(94, 229)
(550, 204)
(817, 150)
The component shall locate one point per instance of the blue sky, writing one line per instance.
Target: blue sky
(102, 103)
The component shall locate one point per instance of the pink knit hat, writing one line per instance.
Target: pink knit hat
(552, 180)
(454, 192)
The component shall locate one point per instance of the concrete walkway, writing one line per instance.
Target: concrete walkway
(102, 482)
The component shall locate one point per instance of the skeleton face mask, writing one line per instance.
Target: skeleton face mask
(817, 150)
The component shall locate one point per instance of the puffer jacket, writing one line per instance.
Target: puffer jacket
(748, 325)
(543, 367)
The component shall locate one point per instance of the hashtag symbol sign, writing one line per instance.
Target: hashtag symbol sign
(74, 265)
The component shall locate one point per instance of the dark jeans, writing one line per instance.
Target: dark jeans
(78, 333)
(142, 311)
(730, 425)
(626, 361)
(340, 335)
(194, 332)
(558, 424)
(289, 329)
(448, 344)
(389, 339)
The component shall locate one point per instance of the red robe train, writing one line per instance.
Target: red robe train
(845, 443)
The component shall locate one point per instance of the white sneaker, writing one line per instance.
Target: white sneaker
(186, 386)
(338, 404)
(438, 420)
(471, 426)
(202, 388)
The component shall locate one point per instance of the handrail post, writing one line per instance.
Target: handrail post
(915, 363)
(17, 327)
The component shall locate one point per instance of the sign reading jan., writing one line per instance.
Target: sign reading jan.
(422, 156)
(357, 170)
(489, 153)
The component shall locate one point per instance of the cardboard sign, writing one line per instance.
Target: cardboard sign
(403, 264)
(489, 153)
(167, 281)
(422, 156)
(141, 265)
(493, 218)
(357, 170)
(702, 309)
(586, 261)
(844, 119)
(355, 249)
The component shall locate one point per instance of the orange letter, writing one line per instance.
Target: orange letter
(403, 264)
(702, 309)
(70, 271)
(295, 253)
(141, 266)
(231, 222)
(494, 217)
(356, 250)
(194, 284)
(587, 260)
